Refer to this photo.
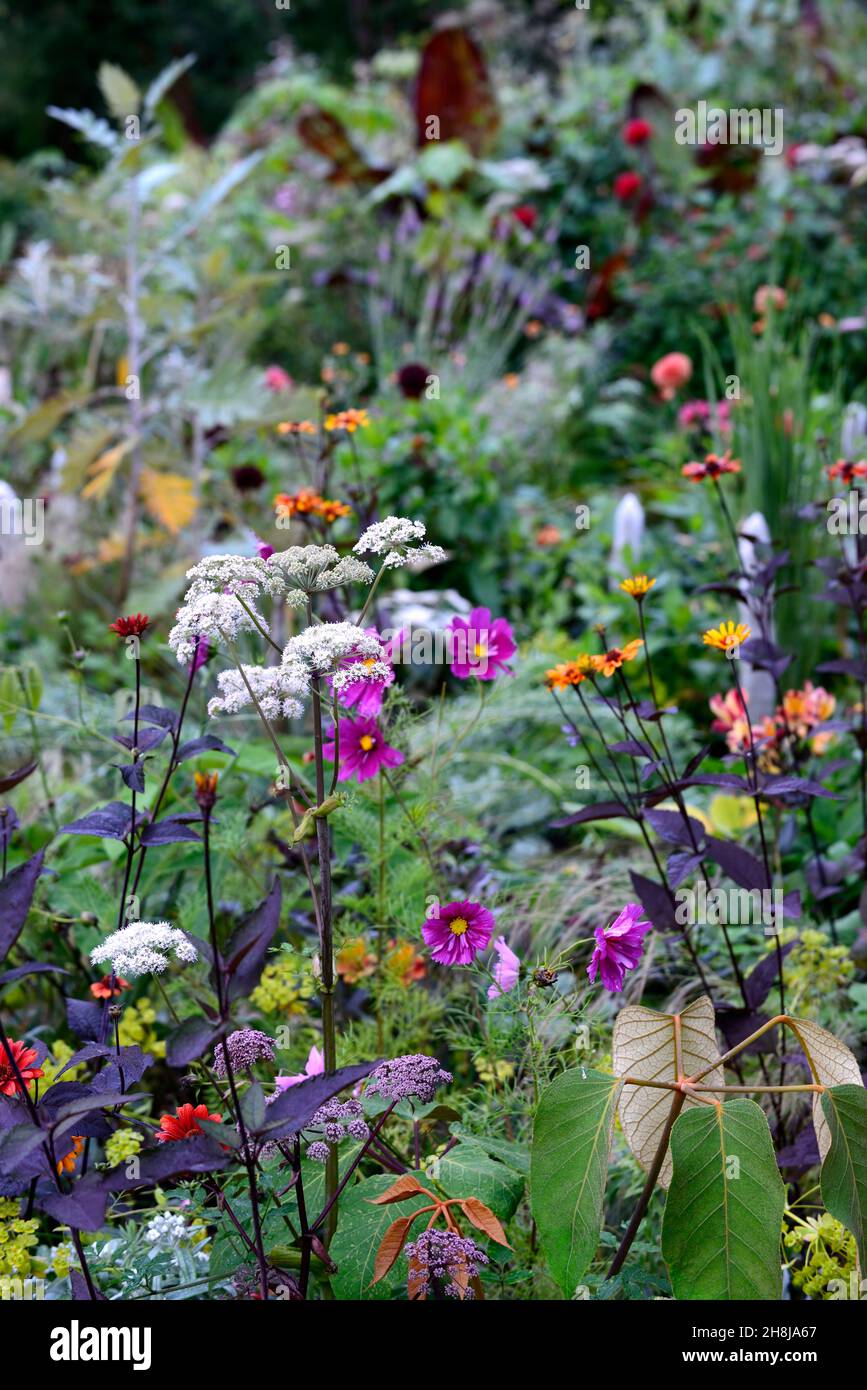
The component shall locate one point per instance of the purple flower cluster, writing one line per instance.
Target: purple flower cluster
(336, 1119)
(245, 1047)
(413, 1077)
(451, 1259)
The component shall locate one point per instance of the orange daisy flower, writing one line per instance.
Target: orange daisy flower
(637, 586)
(566, 674)
(714, 466)
(296, 427)
(101, 989)
(349, 420)
(330, 510)
(609, 662)
(726, 636)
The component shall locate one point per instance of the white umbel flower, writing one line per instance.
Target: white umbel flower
(315, 568)
(320, 649)
(213, 616)
(279, 691)
(395, 539)
(142, 949)
(368, 670)
(246, 575)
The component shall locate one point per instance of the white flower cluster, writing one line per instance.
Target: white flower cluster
(213, 616)
(166, 1230)
(320, 649)
(315, 568)
(279, 691)
(141, 949)
(369, 670)
(246, 575)
(394, 539)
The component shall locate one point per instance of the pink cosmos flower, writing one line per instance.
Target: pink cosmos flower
(506, 970)
(699, 414)
(314, 1066)
(618, 947)
(481, 646)
(671, 372)
(363, 750)
(458, 932)
(277, 379)
(366, 696)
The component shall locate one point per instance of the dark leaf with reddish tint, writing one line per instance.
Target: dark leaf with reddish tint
(764, 976)
(656, 901)
(16, 895)
(296, 1107)
(13, 778)
(484, 1220)
(675, 828)
(327, 136)
(741, 866)
(189, 1040)
(453, 85)
(248, 946)
(390, 1247)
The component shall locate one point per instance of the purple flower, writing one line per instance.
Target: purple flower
(413, 1077)
(451, 1259)
(366, 695)
(363, 750)
(481, 646)
(618, 947)
(245, 1047)
(314, 1066)
(506, 970)
(201, 653)
(458, 932)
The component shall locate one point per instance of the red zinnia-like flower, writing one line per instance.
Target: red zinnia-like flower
(847, 472)
(713, 467)
(183, 1124)
(24, 1057)
(626, 185)
(526, 214)
(132, 626)
(101, 989)
(637, 131)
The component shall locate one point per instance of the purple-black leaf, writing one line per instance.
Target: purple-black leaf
(133, 775)
(16, 895)
(763, 977)
(170, 831)
(208, 743)
(155, 714)
(13, 778)
(675, 828)
(171, 1159)
(109, 822)
(84, 1018)
(248, 945)
(296, 1107)
(189, 1040)
(147, 739)
(31, 968)
(656, 901)
(743, 868)
(83, 1208)
(602, 810)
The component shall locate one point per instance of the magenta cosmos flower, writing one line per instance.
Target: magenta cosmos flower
(482, 646)
(314, 1066)
(458, 932)
(505, 971)
(618, 947)
(365, 696)
(363, 750)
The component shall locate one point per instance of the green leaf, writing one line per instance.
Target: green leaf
(844, 1171)
(468, 1171)
(508, 1151)
(724, 1211)
(120, 94)
(359, 1233)
(165, 81)
(568, 1168)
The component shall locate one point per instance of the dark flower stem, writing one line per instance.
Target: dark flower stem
(352, 1167)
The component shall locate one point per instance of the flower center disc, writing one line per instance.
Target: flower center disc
(459, 926)
(366, 742)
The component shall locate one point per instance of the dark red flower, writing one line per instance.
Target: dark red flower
(626, 185)
(637, 131)
(847, 471)
(526, 214)
(247, 477)
(182, 1125)
(412, 379)
(131, 626)
(24, 1057)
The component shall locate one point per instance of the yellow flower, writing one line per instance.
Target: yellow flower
(638, 585)
(349, 420)
(612, 660)
(726, 636)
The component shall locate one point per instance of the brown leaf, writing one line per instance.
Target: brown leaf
(454, 87)
(327, 136)
(390, 1247)
(406, 1186)
(416, 1282)
(484, 1220)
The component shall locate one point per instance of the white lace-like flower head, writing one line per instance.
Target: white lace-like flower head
(368, 670)
(211, 615)
(315, 568)
(246, 575)
(142, 949)
(320, 649)
(279, 691)
(395, 539)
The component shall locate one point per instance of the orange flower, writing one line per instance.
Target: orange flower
(713, 467)
(670, 373)
(206, 788)
(568, 673)
(67, 1163)
(330, 510)
(354, 961)
(340, 349)
(767, 296)
(349, 420)
(301, 502)
(101, 989)
(637, 586)
(548, 535)
(296, 427)
(611, 661)
(847, 472)
(726, 636)
(404, 963)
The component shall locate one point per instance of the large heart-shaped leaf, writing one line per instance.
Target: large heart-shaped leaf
(653, 1046)
(831, 1063)
(568, 1168)
(844, 1171)
(724, 1210)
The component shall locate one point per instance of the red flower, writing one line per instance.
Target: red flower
(24, 1057)
(626, 185)
(101, 989)
(713, 467)
(846, 471)
(637, 131)
(182, 1125)
(132, 626)
(526, 214)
